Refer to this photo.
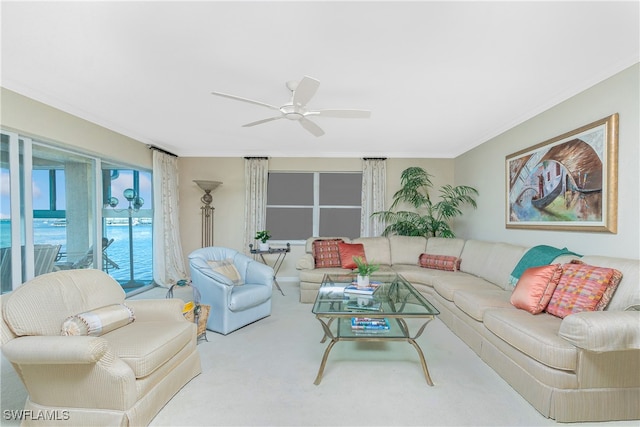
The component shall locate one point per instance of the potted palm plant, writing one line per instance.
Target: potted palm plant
(263, 236)
(365, 270)
(429, 218)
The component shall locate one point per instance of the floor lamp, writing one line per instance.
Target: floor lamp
(207, 210)
(135, 203)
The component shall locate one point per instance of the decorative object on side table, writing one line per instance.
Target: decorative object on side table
(263, 236)
(364, 271)
(193, 311)
(207, 210)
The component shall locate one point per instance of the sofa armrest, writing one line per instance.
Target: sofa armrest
(55, 350)
(149, 310)
(306, 262)
(602, 331)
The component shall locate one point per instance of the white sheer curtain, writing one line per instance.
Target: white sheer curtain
(168, 261)
(256, 175)
(374, 184)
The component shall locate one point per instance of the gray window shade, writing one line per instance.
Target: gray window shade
(289, 223)
(304, 204)
(340, 222)
(340, 189)
(290, 189)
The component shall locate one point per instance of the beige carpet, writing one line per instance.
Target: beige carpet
(262, 375)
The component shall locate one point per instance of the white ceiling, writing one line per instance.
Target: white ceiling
(439, 77)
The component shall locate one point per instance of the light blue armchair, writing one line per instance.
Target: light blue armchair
(232, 306)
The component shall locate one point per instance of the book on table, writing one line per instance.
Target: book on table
(354, 289)
(364, 324)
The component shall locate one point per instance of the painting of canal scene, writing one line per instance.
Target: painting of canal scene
(567, 183)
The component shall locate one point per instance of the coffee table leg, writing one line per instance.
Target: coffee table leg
(422, 361)
(324, 361)
(413, 342)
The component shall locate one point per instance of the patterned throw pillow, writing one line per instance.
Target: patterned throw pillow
(99, 321)
(440, 262)
(227, 268)
(608, 293)
(581, 288)
(348, 251)
(535, 288)
(326, 253)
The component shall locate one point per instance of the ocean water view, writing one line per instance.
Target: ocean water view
(51, 231)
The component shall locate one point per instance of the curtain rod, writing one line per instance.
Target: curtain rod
(257, 158)
(374, 158)
(153, 147)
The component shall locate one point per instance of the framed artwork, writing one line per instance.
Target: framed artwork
(566, 183)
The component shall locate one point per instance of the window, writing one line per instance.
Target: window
(305, 204)
(51, 219)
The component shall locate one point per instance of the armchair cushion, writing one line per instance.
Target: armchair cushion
(99, 321)
(145, 346)
(227, 268)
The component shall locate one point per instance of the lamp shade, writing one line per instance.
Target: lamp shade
(207, 186)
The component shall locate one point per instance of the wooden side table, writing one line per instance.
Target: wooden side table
(281, 254)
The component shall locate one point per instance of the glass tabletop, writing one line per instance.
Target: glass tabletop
(391, 296)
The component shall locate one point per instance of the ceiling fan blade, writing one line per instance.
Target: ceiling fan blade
(259, 122)
(305, 91)
(347, 114)
(250, 101)
(311, 127)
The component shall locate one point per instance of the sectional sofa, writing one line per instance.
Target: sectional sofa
(583, 367)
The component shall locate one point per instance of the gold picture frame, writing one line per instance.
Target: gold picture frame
(567, 183)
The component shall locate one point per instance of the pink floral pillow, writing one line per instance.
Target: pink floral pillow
(535, 288)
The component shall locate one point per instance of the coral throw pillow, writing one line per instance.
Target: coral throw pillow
(535, 288)
(348, 251)
(581, 288)
(439, 262)
(326, 253)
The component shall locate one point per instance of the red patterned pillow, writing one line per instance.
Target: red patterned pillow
(535, 287)
(439, 262)
(348, 251)
(326, 253)
(580, 288)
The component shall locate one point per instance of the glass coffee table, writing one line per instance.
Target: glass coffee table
(378, 316)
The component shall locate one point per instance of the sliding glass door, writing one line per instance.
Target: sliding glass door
(64, 210)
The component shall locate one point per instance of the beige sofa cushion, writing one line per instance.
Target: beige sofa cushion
(406, 249)
(536, 335)
(447, 285)
(145, 346)
(444, 246)
(476, 302)
(376, 249)
(33, 312)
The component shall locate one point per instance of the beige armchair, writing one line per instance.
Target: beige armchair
(120, 372)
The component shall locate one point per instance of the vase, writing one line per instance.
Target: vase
(263, 246)
(363, 281)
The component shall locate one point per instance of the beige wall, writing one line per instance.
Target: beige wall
(44, 123)
(228, 199)
(484, 167)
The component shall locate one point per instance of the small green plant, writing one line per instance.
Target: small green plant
(263, 236)
(365, 269)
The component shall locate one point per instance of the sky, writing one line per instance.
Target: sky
(40, 188)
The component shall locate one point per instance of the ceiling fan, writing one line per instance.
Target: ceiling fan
(296, 108)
